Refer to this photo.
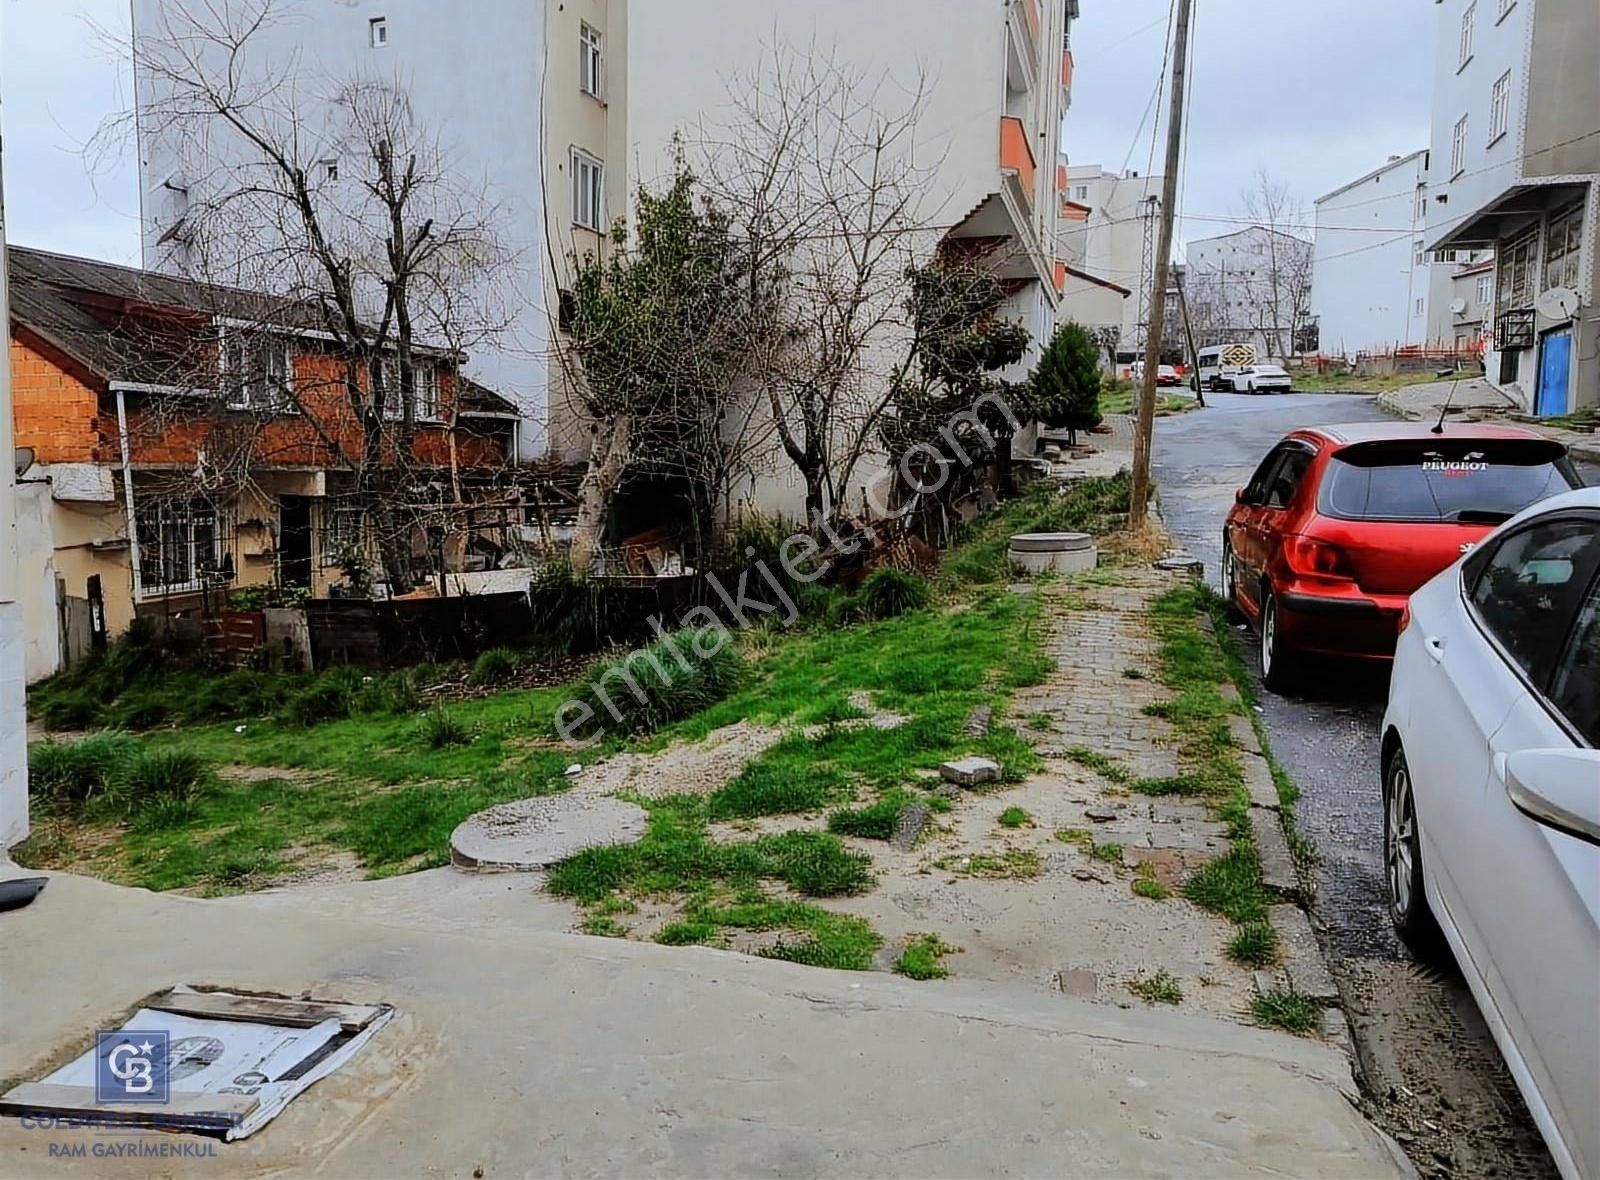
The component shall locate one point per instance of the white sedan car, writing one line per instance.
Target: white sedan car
(1263, 378)
(1491, 786)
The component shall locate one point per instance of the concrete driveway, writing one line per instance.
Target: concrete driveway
(529, 1053)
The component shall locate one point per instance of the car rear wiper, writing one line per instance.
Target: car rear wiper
(1480, 516)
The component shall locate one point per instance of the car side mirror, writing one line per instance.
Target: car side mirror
(1241, 495)
(1556, 788)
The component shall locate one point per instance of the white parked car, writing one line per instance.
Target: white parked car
(1261, 378)
(1491, 786)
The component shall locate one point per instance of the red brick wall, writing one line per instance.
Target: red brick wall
(54, 412)
(326, 433)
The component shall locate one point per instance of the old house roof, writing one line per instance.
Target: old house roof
(125, 324)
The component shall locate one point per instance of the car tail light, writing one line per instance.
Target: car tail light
(1307, 555)
(1405, 615)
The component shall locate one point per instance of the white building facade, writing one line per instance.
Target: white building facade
(474, 84)
(1252, 286)
(1371, 275)
(1516, 169)
(1102, 236)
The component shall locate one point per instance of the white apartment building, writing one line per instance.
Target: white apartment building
(1515, 169)
(1253, 286)
(566, 108)
(1102, 241)
(1370, 274)
(475, 84)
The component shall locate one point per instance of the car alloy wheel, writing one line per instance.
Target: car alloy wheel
(1402, 858)
(1277, 671)
(1230, 588)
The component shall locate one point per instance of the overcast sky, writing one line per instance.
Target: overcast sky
(1315, 94)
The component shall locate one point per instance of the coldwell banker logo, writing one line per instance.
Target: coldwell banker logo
(131, 1066)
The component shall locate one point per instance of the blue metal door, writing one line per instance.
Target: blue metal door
(1555, 363)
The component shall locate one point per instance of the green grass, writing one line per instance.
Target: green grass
(1108, 853)
(1015, 817)
(1231, 885)
(1288, 1010)
(1119, 400)
(1146, 884)
(604, 926)
(873, 822)
(1336, 383)
(981, 556)
(1042, 722)
(1159, 988)
(920, 957)
(790, 779)
(1255, 944)
(821, 938)
(1013, 864)
(441, 728)
(1081, 836)
(1106, 767)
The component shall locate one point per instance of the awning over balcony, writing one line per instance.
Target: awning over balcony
(1506, 215)
(998, 233)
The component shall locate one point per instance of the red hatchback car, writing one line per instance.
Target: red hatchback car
(1340, 524)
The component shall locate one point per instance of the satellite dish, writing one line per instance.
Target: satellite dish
(1558, 303)
(1458, 306)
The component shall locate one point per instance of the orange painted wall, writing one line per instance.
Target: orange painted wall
(325, 434)
(54, 413)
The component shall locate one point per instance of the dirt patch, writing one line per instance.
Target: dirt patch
(1432, 1076)
(318, 866)
(267, 774)
(689, 768)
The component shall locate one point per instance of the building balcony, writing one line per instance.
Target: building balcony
(1027, 33)
(1066, 69)
(1016, 155)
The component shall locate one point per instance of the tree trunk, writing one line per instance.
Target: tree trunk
(606, 464)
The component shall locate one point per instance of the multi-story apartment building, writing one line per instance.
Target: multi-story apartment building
(567, 108)
(1370, 274)
(1102, 236)
(1515, 169)
(1253, 286)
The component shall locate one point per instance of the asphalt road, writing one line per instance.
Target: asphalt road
(1433, 1075)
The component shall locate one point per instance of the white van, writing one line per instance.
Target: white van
(1220, 364)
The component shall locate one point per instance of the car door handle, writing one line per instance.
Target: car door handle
(1434, 645)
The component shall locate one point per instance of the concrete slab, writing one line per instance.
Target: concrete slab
(537, 833)
(521, 1052)
(1278, 873)
(1258, 781)
(1302, 958)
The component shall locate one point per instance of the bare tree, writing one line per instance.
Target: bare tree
(817, 165)
(353, 218)
(1277, 297)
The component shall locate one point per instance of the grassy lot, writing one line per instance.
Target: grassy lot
(381, 786)
(1346, 383)
(1121, 397)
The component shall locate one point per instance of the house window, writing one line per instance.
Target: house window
(1561, 249)
(588, 191)
(1514, 284)
(1500, 106)
(590, 61)
(1458, 148)
(1468, 19)
(424, 388)
(256, 372)
(378, 32)
(342, 529)
(1418, 310)
(1422, 203)
(1083, 192)
(330, 169)
(178, 545)
(1416, 254)
(1485, 291)
(1505, 7)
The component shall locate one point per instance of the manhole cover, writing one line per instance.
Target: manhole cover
(537, 833)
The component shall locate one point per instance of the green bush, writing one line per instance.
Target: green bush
(440, 729)
(330, 697)
(66, 777)
(495, 665)
(665, 682)
(162, 779)
(889, 592)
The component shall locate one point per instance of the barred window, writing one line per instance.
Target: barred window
(1514, 284)
(256, 370)
(1562, 248)
(179, 545)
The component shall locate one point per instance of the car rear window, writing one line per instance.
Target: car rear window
(1482, 481)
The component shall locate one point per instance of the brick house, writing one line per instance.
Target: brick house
(189, 440)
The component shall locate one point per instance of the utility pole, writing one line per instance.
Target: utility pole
(1138, 506)
(1188, 334)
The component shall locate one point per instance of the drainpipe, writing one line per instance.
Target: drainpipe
(127, 496)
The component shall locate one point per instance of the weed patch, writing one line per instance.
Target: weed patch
(920, 958)
(1160, 988)
(1147, 884)
(1016, 864)
(1288, 1010)
(440, 729)
(1015, 817)
(788, 780)
(1231, 885)
(1103, 765)
(875, 821)
(1255, 944)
